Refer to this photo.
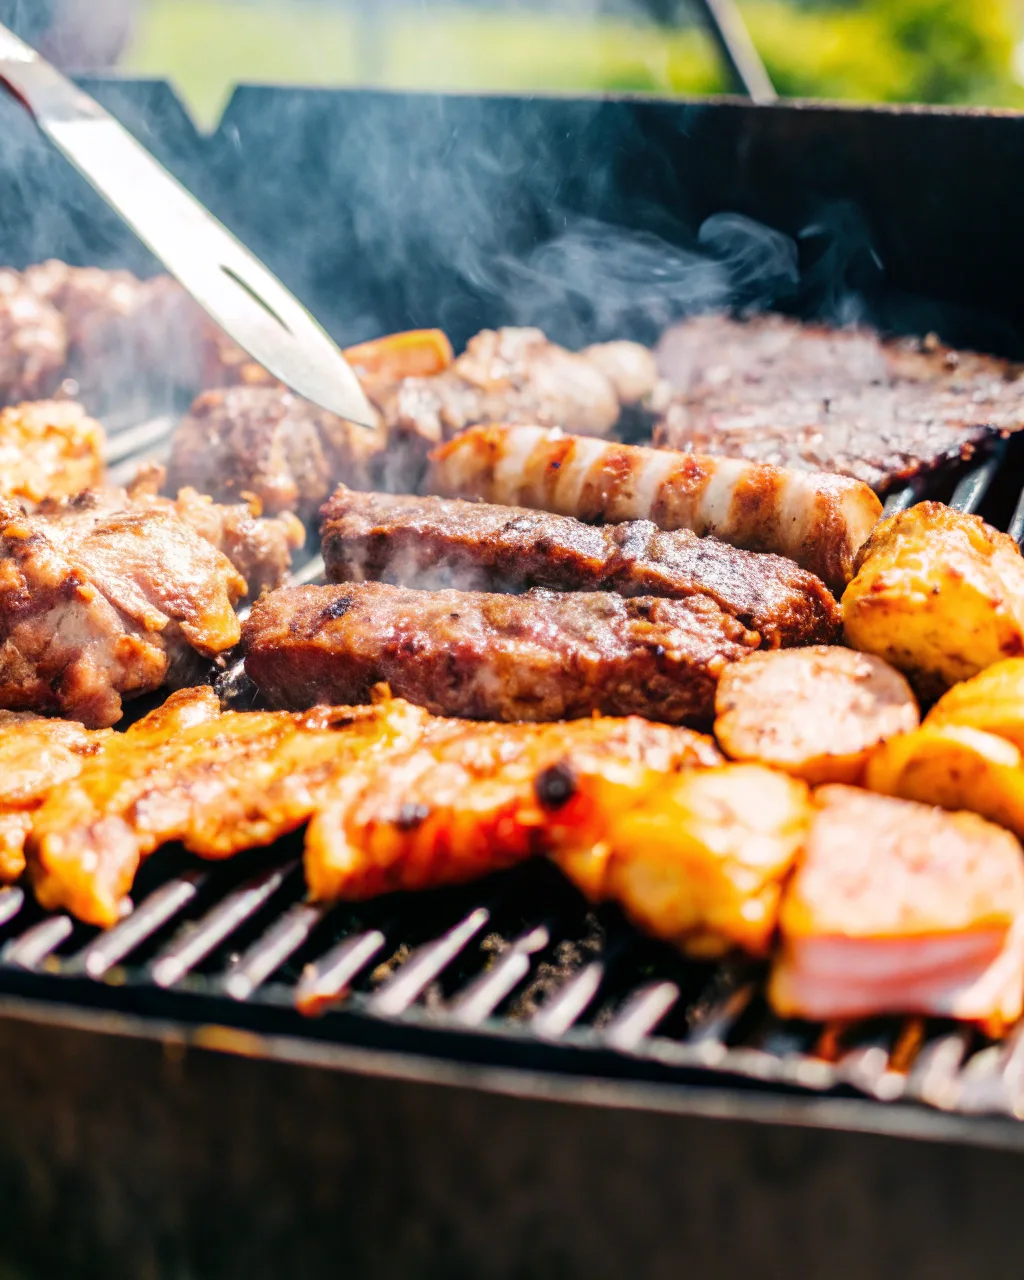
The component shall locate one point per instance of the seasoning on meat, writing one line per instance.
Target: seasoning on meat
(777, 390)
(817, 520)
(540, 656)
(437, 542)
(48, 449)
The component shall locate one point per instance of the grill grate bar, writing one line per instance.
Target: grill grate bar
(12, 899)
(971, 489)
(714, 1026)
(38, 942)
(867, 1069)
(185, 953)
(1016, 526)
(934, 1076)
(424, 965)
(326, 982)
(641, 1013)
(126, 446)
(313, 570)
(479, 1000)
(107, 950)
(266, 955)
(904, 499)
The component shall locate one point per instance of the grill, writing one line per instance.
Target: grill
(512, 985)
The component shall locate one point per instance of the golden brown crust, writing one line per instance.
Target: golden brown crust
(49, 449)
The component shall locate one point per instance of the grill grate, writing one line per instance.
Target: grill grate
(515, 969)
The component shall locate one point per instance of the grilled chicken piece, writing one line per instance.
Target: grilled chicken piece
(217, 782)
(939, 594)
(96, 605)
(897, 907)
(540, 656)
(33, 343)
(35, 755)
(438, 542)
(839, 400)
(817, 520)
(268, 444)
(700, 860)
(992, 701)
(48, 449)
(815, 712)
(470, 799)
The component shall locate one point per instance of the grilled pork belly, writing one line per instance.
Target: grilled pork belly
(48, 449)
(540, 656)
(438, 542)
(469, 799)
(840, 400)
(33, 343)
(897, 907)
(817, 520)
(97, 605)
(816, 712)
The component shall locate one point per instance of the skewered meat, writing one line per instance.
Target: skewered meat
(218, 782)
(540, 656)
(900, 908)
(33, 343)
(437, 542)
(939, 594)
(815, 712)
(48, 449)
(98, 604)
(470, 799)
(817, 520)
(266, 443)
(840, 400)
(700, 860)
(35, 755)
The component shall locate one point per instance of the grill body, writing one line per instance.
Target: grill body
(191, 1126)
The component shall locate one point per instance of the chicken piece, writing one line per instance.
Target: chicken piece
(939, 594)
(444, 542)
(222, 783)
(897, 907)
(268, 444)
(97, 605)
(771, 389)
(992, 701)
(49, 449)
(35, 755)
(540, 656)
(700, 860)
(630, 368)
(470, 799)
(383, 362)
(819, 521)
(33, 343)
(816, 712)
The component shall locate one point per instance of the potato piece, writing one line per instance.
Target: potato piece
(700, 861)
(956, 768)
(992, 701)
(939, 594)
(814, 712)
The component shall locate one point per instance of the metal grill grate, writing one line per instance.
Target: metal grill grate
(515, 969)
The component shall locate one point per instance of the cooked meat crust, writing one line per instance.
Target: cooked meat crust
(48, 449)
(540, 656)
(817, 520)
(842, 400)
(438, 542)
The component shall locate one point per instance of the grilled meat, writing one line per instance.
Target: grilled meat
(33, 343)
(469, 799)
(900, 908)
(437, 542)
(939, 594)
(993, 701)
(699, 860)
(815, 712)
(48, 449)
(540, 656)
(268, 444)
(96, 605)
(839, 400)
(817, 520)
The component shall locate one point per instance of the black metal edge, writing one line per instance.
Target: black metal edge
(847, 1115)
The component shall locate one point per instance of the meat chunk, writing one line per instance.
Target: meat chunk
(33, 343)
(900, 908)
(266, 443)
(939, 594)
(48, 449)
(839, 400)
(816, 712)
(98, 605)
(437, 542)
(817, 520)
(470, 799)
(540, 656)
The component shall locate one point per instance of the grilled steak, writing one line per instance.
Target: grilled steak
(843, 400)
(437, 542)
(819, 521)
(539, 656)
